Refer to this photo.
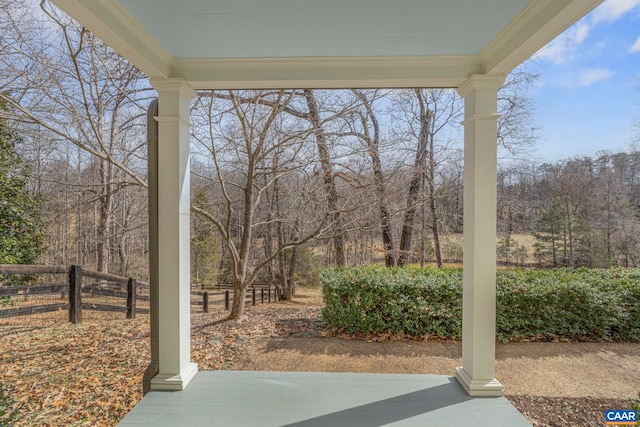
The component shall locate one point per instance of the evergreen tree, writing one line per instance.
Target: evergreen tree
(20, 215)
(550, 228)
(205, 247)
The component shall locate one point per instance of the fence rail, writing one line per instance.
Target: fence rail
(32, 269)
(134, 292)
(33, 289)
(110, 307)
(104, 276)
(33, 309)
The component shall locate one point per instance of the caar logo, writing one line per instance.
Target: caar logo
(620, 417)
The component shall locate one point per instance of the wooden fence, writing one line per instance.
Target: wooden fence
(77, 284)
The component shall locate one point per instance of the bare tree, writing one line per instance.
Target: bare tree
(327, 171)
(369, 134)
(517, 132)
(246, 143)
(416, 185)
(427, 119)
(313, 115)
(70, 86)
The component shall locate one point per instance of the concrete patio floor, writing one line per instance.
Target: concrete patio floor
(312, 399)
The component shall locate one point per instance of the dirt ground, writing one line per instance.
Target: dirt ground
(537, 369)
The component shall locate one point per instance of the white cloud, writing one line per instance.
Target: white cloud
(612, 10)
(636, 47)
(565, 47)
(592, 76)
(579, 32)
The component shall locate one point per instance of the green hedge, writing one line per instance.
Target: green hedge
(576, 304)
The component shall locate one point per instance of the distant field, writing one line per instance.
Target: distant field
(365, 252)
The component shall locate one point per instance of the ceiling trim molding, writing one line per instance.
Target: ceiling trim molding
(112, 23)
(327, 72)
(538, 23)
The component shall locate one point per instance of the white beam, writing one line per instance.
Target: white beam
(174, 288)
(539, 23)
(114, 25)
(477, 374)
(327, 72)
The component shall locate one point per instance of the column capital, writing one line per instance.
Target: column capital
(479, 82)
(173, 85)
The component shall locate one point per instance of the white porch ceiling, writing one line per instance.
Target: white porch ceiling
(221, 44)
(323, 28)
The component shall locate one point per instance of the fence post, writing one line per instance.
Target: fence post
(132, 284)
(226, 300)
(205, 302)
(75, 294)
(261, 295)
(269, 293)
(253, 296)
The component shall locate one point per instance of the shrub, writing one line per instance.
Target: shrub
(575, 304)
(558, 303)
(398, 301)
(635, 404)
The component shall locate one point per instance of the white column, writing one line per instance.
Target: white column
(174, 324)
(477, 373)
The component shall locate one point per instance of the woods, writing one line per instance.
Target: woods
(285, 181)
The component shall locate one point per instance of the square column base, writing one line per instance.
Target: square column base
(479, 388)
(174, 382)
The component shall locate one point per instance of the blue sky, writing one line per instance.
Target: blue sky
(588, 96)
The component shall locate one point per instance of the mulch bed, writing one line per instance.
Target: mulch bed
(565, 411)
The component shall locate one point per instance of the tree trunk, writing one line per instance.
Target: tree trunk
(237, 308)
(329, 182)
(564, 246)
(385, 227)
(223, 256)
(435, 228)
(422, 236)
(385, 217)
(268, 238)
(288, 291)
(570, 235)
(282, 255)
(124, 256)
(433, 209)
(105, 201)
(372, 142)
(415, 186)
